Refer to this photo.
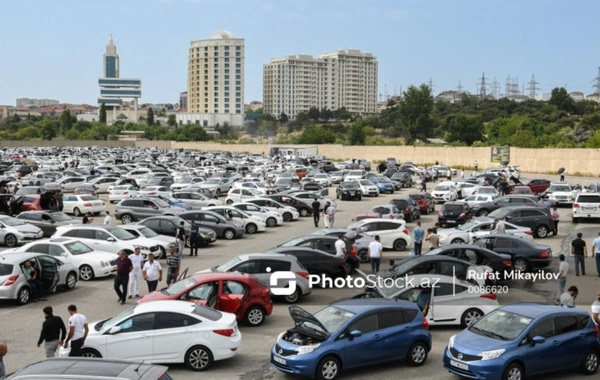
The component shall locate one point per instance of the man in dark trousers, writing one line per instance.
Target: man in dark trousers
(53, 332)
(180, 238)
(124, 267)
(316, 206)
(579, 252)
(173, 265)
(193, 239)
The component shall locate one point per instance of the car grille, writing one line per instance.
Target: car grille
(283, 352)
(561, 197)
(155, 248)
(113, 262)
(463, 357)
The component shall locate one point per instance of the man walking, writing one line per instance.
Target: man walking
(499, 227)
(135, 276)
(124, 267)
(180, 238)
(419, 235)
(331, 215)
(107, 219)
(433, 239)
(596, 309)
(194, 239)
(579, 252)
(568, 298)
(152, 273)
(555, 219)
(78, 331)
(325, 217)
(375, 254)
(53, 332)
(3, 352)
(316, 206)
(340, 248)
(173, 264)
(596, 252)
(563, 269)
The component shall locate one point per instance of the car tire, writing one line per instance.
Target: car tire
(23, 295)
(76, 211)
(255, 316)
(163, 252)
(392, 192)
(457, 241)
(482, 212)
(126, 219)
(417, 354)
(229, 202)
(575, 220)
(11, 240)
(363, 255)
(287, 217)
(513, 371)
(304, 212)
(112, 202)
(71, 281)
(198, 358)
(86, 273)
(589, 364)
(409, 219)
(218, 193)
(90, 353)
(271, 222)
(542, 231)
(294, 297)
(399, 245)
(251, 228)
(329, 368)
(520, 265)
(470, 316)
(337, 195)
(228, 234)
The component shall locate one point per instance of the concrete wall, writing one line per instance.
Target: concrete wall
(63, 142)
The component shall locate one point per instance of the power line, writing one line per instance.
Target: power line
(597, 82)
(495, 89)
(482, 85)
(533, 87)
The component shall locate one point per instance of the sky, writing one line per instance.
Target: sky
(53, 48)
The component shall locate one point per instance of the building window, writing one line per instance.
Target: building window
(226, 76)
(238, 48)
(238, 60)
(226, 59)
(238, 54)
(226, 55)
(238, 111)
(238, 71)
(227, 65)
(238, 77)
(238, 94)
(238, 100)
(238, 88)
(226, 87)
(238, 66)
(216, 60)
(237, 83)
(227, 96)
(198, 122)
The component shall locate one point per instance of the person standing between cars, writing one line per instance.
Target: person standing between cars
(433, 239)
(3, 352)
(499, 227)
(340, 248)
(194, 239)
(316, 206)
(596, 309)
(568, 298)
(124, 267)
(87, 219)
(31, 275)
(579, 252)
(563, 269)
(152, 273)
(53, 332)
(562, 176)
(555, 219)
(596, 252)
(135, 276)
(375, 254)
(419, 235)
(107, 219)
(173, 264)
(331, 215)
(180, 238)
(475, 165)
(78, 332)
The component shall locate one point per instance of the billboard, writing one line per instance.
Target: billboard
(500, 155)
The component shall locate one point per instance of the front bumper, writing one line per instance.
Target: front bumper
(299, 365)
(477, 370)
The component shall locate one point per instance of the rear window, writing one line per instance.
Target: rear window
(400, 203)
(452, 207)
(87, 198)
(207, 313)
(416, 197)
(589, 199)
(6, 269)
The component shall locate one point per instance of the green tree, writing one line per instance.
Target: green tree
(561, 99)
(415, 113)
(283, 118)
(49, 129)
(193, 132)
(464, 128)
(326, 114)
(314, 114)
(102, 113)
(357, 133)
(172, 120)
(150, 117)
(66, 120)
(316, 135)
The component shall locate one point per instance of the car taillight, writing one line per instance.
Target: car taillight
(440, 213)
(405, 231)
(125, 192)
(530, 233)
(408, 209)
(11, 280)
(392, 216)
(353, 252)
(87, 205)
(116, 211)
(265, 293)
(576, 205)
(103, 204)
(595, 329)
(425, 324)
(544, 255)
(152, 193)
(303, 274)
(491, 296)
(507, 263)
(226, 332)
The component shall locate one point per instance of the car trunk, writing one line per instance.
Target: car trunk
(452, 211)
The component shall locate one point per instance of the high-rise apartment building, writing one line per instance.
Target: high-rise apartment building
(27, 102)
(343, 78)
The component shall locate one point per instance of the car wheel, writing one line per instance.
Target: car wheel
(229, 202)
(294, 297)
(218, 193)
(337, 195)
(76, 211)
(251, 228)
(589, 365)
(255, 316)
(541, 231)
(271, 222)
(304, 212)
(513, 372)
(11, 240)
(126, 219)
(470, 316)
(457, 241)
(419, 215)
(112, 202)
(198, 358)
(328, 369)
(483, 212)
(360, 198)
(86, 273)
(377, 194)
(287, 217)
(417, 354)
(392, 192)
(23, 295)
(70, 281)
(363, 255)
(400, 245)
(520, 265)
(90, 353)
(163, 252)
(228, 234)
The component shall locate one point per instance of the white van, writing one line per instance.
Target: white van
(586, 205)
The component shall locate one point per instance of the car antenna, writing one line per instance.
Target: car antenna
(137, 369)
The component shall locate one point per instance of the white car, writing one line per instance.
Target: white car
(561, 192)
(118, 193)
(355, 175)
(143, 232)
(103, 183)
(187, 184)
(392, 232)
(479, 227)
(368, 188)
(323, 179)
(70, 183)
(155, 191)
(236, 195)
(451, 301)
(252, 224)
(82, 204)
(288, 213)
(271, 218)
(467, 188)
(165, 332)
(474, 199)
(90, 263)
(488, 190)
(257, 185)
(444, 192)
(196, 200)
(14, 232)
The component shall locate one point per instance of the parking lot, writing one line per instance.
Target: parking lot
(20, 325)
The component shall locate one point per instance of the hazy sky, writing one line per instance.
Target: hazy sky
(53, 48)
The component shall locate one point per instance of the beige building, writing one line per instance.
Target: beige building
(28, 102)
(343, 78)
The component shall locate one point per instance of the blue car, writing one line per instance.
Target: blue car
(384, 184)
(523, 340)
(350, 334)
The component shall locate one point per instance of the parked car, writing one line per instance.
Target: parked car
(340, 337)
(308, 198)
(359, 240)
(444, 192)
(522, 190)
(562, 193)
(167, 225)
(197, 200)
(454, 213)
(476, 199)
(70, 183)
(477, 228)
(302, 207)
(586, 206)
(86, 189)
(424, 200)
(368, 188)
(237, 293)
(118, 193)
(271, 218)
(482, 209)
(388, 211)
(14, 232)
(252, 224)
(316, 261)
(519, 341)
(327, 244)
(187, 184)
(131, 210)
(384, 184)
(82, 204)
(526, 254)
(223, 227)
(155, 191)
(288, 213)
(538, 185)
(52, 273)
(236, 195)
(500, 263)
(408, 207)
(349, 190)
(392, 232)
(366, 215)
(47, 220)
(536, 218)
(102, 184)
(141, 231)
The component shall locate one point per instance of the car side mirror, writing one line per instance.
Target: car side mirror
(115, 330)
(64, 254)
(538, 340)
(155, 207)
(51, 221)
(111, 239)
(355, 334)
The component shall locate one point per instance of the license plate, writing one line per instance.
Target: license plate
(279, 360)
(459, 365)
(450, 221)
(588, 208)
(213, 238)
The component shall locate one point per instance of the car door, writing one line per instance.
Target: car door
(153, 224)
(231, 296)
(370, 347)
(46, 223)
(104, 241)
(174, 334)
(69, 203)
(542, 356)
(134, 341)
(149, 209)
(506, 246)
(393, 325)
(49, 275)
(532, 218)
(212, 222)
(270, 266)
(166, 227)
(325, 245)
(446, 305)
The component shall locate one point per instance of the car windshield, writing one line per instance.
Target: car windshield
(348, 185)
(441, 188)
(121, 234)
(185, 180)
(332, 318)
(502, 325)
(11, 222)
(467, 226)
(563, 188)
(213, 181)
(114, 320)
(355, 173)
(229, 264)
(61, 217)
(284, 181)
(500, 213)
(366, 182)
(160, 203)
(88, 198)
(416, 197)
(293, 242)
(78, 248)
(147, 232)
(179, 286)
(383, 179)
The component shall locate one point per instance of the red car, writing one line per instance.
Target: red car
(425, 202)
(366, 215)
(232, 292)
(538, 186)
(522, 190)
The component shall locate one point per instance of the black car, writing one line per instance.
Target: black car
(526, 254)
(499, 262)
(326, 244)
(349, 190)
(482, 209)
(47, 221)
(389, 172)
(311, 186)
(225, 228)
(455, 213)
(536, 218)
(303, 208)
(409, 207)
(429, 264)
(167, 225)
(315, 261)
(405, 178)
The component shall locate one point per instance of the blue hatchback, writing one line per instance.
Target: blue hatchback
(522, 340)
(350, 334)
(383, 184)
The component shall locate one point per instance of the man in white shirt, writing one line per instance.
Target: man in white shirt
(596, 252)
(375, 253)
(340, 248)
(499, 227)
(331, 215)
(555, 219)
(152, 273)
(563, 269)
(568, 298)
(596, 310)
(107, 219)
(135, 276)
(78, 331)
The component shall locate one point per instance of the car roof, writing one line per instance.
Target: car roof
(13, 257)
(216, 276)
(454, 203)
(167, 305)
(534, 310)
(367, 304)
(274, 256)
(57, 240)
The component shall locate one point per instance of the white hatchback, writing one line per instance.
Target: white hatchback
(392, 232)
(118, 193)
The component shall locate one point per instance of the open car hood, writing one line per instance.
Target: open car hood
(300, 316)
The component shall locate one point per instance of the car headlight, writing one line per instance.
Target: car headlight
(104, 264)
(451, 341)
(204, 236)
(307, 349)
(489, 355)
(280, 336)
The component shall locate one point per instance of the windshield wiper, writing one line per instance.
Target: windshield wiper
(488, 333)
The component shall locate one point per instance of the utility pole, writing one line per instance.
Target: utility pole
(482, 87)
(496, 89)
(597, 82)
(460, 89)
(533, 88)
(508, 87)
(431, 85)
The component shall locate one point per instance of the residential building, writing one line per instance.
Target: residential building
(253, 106)
(215, 81)
(343, 78)
(183, 100)
(27, 102)
(4, 112)
(577, 96)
